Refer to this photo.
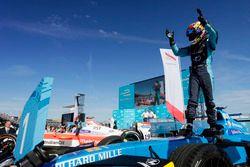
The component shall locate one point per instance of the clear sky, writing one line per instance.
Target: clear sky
(94, 47)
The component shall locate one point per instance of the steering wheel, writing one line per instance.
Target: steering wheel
(7, 145)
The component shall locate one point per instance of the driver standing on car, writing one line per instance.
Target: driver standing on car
(203, 40)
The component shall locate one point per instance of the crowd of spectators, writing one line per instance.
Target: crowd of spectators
(8, 127)
(4, 117)
(61, 129)
(72, 127)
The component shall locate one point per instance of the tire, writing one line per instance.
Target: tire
(200, 155)
(110, 140)
(177, 154)
(130, 135)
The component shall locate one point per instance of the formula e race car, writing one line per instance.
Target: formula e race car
(228, 146)
(91, 133)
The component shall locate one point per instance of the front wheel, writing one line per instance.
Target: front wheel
(131, 135)
(200, 155)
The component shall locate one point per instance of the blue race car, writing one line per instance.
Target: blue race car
(228, 146)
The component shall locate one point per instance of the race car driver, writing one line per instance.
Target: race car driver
(203, 40)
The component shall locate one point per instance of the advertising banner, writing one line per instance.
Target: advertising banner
(127, 96)
(173, 86)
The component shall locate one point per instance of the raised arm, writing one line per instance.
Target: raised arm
(182, 52)
(212, 34)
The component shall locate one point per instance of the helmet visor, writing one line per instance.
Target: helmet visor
(192, 36)
(190, 31)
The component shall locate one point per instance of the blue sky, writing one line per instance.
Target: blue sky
(94, 47)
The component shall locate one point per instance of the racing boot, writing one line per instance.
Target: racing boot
(212, 132)
(189, 130)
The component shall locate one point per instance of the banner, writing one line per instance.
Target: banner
(173, 84)
(127, 96)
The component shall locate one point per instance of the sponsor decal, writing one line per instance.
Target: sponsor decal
(232, 124)
(235, 132)
(85, 131)
(59, 142)
(97, 127)
(126, 92)
(111, 131)
(153, 162)
(86, 141)
(87, 159)
(93, 149)
(150, 162)
(144, 126)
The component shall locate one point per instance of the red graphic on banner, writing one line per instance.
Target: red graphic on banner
(171, 56)
(175, 112)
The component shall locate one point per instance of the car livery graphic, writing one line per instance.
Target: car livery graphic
(90, 132)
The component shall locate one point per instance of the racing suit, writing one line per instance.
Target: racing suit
(201, 75)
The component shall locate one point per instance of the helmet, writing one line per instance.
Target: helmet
(195, 32)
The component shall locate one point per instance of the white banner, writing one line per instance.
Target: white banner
(173, 84)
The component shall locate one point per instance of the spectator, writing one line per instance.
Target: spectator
(53, 129)
(151, 114)
(7, 129)
(73, 129)
(115, 125)
(145, 116)
(62, 129)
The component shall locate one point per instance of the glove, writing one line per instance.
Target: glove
(201, 18)
(170, 36)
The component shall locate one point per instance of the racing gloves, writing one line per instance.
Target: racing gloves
(170, 36)
(201, 18)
